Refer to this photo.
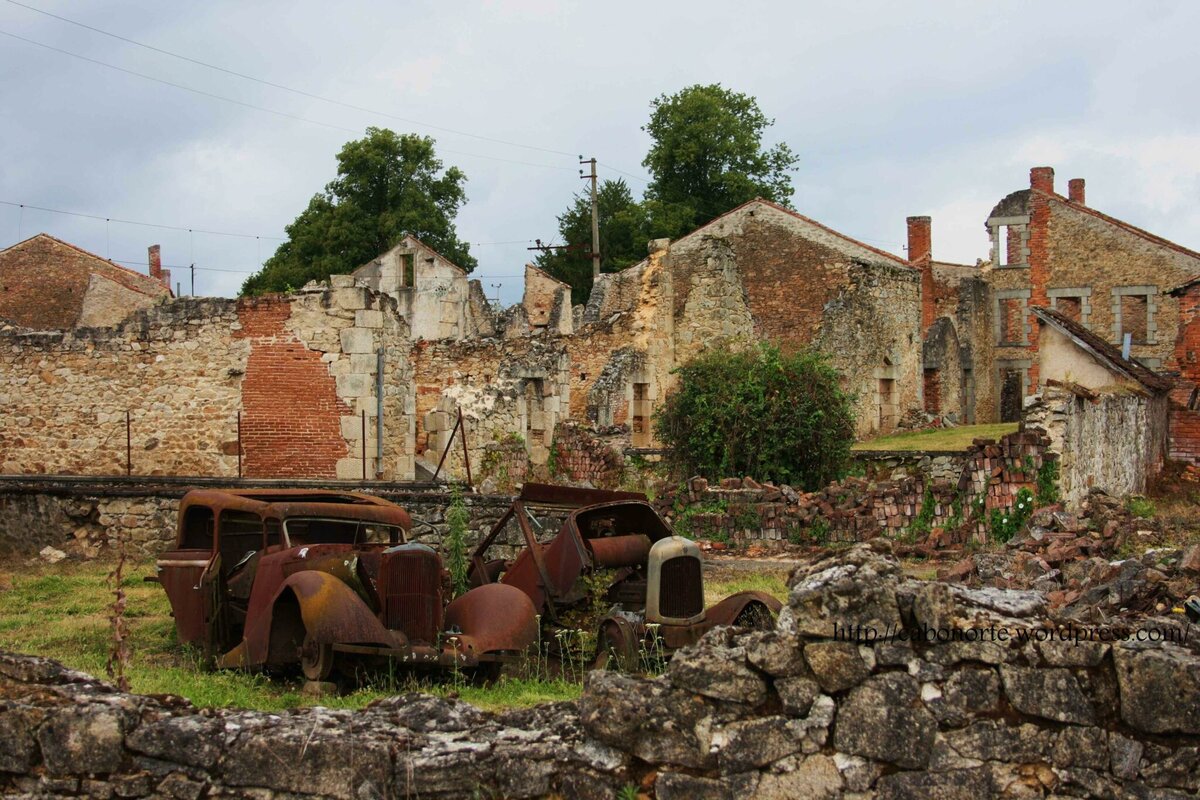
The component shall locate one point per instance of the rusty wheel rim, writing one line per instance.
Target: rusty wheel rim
(316, 659)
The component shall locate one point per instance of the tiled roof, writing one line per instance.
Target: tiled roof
(1104, 351)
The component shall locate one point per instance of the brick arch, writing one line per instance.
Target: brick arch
(291, 413)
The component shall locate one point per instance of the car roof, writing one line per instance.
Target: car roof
(285, 503)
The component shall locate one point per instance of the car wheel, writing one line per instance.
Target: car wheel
(756, 617)
(316, 659)
(615, 648)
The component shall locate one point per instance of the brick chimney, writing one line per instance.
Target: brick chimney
(156, 262)
(920, 255)
(1075, 191)
(1042, 179)
(919, 239)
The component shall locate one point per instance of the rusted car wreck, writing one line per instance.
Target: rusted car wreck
(276, 578)
(655, 591)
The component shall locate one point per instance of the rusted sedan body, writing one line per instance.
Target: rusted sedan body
(272, 578)
(656, 588)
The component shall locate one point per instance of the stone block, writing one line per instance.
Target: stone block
(368, 318)
(341, 281)
(350, 299)
(350, 469)
(354, 384)
(357, 340)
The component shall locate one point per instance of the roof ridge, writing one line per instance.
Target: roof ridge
(1134, 229)
(107, 261)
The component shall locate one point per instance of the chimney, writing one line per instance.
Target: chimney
(920, 247)
(156, 262)
(1042, 179)
(1075, 191)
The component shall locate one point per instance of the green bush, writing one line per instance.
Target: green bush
(457, 520)
(759, 412)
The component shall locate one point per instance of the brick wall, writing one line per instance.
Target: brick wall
(1185, 412)
(291, 411)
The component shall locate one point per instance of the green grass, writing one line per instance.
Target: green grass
(60, 611)
(940, 439)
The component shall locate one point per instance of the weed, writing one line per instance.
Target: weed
(1140, 507)
(1047, 483)
(457, 519)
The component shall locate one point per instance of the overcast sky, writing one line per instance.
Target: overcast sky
(895, 109)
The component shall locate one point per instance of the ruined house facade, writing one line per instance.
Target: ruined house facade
(367, 375)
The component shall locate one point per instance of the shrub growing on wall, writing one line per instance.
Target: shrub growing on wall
(773, 416)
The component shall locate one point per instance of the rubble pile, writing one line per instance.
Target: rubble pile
(1097, 566)
(872, 685)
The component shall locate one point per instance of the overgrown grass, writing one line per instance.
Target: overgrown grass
(60, 611)
(940, 439)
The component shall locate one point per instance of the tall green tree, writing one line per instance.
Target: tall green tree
(707, 157)
(387, 185)
(623, 237)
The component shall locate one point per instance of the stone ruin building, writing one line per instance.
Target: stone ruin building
(365, 376)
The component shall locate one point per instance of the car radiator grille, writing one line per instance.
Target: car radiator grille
(410, 590)
(682, 588)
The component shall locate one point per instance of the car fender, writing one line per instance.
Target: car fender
(726, 611)
(330, 611)
(495, 617)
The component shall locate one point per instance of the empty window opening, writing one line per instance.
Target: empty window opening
(409, 272)
(1071, 307)
(1134, 317)
(198, 528)
(1012, 321)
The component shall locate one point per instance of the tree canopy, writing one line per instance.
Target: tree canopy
(623, 238)
(758, 412)
(387, 185)
(707, 157)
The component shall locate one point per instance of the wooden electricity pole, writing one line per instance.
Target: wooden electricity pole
(595, 219)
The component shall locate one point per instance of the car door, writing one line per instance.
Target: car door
(186, 573)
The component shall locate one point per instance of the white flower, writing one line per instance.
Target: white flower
(1005, 520)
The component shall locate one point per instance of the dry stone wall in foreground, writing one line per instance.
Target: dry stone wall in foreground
(779, 714)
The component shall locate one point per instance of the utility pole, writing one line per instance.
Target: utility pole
(193, 268)
(497, 286)
(595, 219)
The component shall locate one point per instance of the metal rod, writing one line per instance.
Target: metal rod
(462, 429)
(364, 443)
(446, 450)
(239, 454)
(379, 414)
(128, 444)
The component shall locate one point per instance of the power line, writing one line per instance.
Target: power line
(606, 166)
(300, 92)
(142, 224)
(243, 104)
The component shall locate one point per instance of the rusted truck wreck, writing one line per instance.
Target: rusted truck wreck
(655, 579)
(276, 578)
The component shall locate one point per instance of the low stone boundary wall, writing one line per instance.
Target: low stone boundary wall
(873, 685)
(84, 516)
(990, 477)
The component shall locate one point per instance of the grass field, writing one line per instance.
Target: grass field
(61, 611)
(941, 439)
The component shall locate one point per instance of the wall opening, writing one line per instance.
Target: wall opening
(887, 405)
(1134, 317)
(640, 422)
(1071, 307)
(933, 391)
(1011, 391)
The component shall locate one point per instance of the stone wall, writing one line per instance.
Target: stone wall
(873, 685)
(1114, 441)
(84, 518)
(301, 369)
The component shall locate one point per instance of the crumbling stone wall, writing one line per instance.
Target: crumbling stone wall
(872, 685)
(1114, 441)
(1185, 397)
(301, 368)
(177, 369)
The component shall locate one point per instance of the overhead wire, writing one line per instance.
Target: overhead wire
(244, 104)
(140, 223)
(301, 92)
